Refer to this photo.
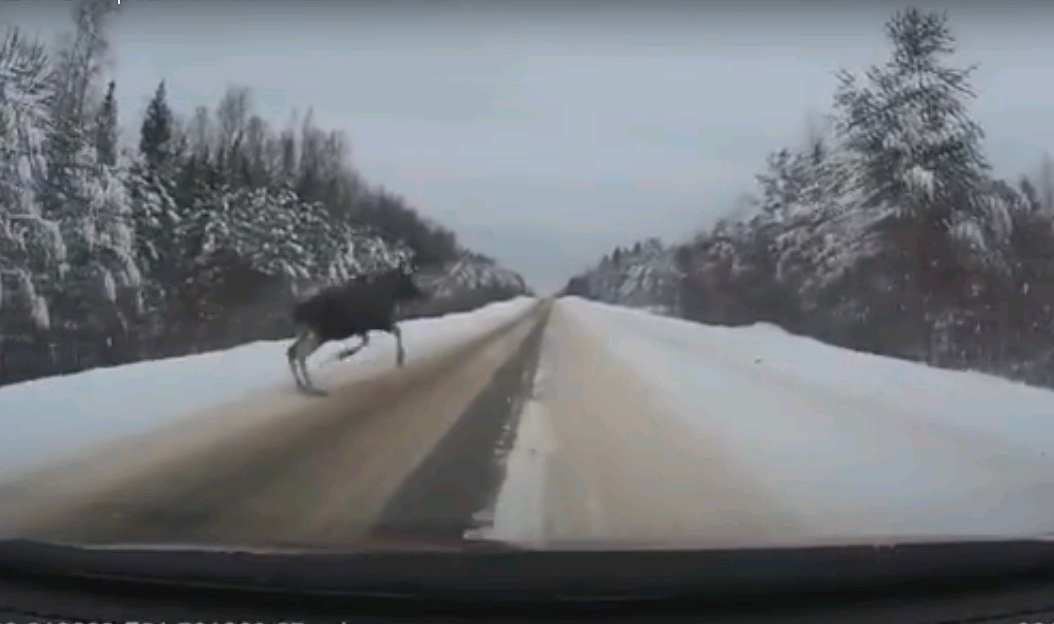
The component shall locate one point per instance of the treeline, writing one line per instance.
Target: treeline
(887, 232)
(195, 234)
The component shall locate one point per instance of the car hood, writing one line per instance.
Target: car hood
(449, 570)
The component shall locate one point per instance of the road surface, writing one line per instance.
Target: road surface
(411, 455)
(419, 455)
(289, 470)
(624, 470)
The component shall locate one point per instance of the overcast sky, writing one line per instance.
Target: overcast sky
(545, 135)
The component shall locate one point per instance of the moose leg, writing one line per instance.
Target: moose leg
(291, 353)
(307, 343)
(350, 351)
(400, 355)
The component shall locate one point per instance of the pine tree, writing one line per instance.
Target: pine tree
(917, 152)
(156, 131)
(106, 129)
(156, 210)
(779, 185)
(909, 123)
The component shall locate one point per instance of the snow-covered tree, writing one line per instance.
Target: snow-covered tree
(910, 123)
(153, 191)
(156, 217)
(106, 129)
(88, 231)
(918, 152)
(156, 132)
(32, 250)
(279, 234)
(85, 193)
(645, 275)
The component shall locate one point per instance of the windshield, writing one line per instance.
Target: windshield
(416, 276)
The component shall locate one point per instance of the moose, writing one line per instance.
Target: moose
(352, 309)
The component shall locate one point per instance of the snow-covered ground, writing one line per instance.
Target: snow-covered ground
(48, 419)
(856, 445)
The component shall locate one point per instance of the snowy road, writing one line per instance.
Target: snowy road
(571, 422)
(622, 468)
(299, 470)
(648, 430)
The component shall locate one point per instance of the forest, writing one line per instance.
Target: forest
(886, 232)
(196, 234)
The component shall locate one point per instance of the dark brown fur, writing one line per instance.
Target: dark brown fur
(353, 309)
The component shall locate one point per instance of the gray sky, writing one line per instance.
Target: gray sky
(545, 135)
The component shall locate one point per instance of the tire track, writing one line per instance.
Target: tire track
(445, 495)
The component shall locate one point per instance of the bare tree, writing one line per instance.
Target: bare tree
(232, 118)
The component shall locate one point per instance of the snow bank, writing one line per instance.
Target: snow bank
(858, 444)
(47, 419)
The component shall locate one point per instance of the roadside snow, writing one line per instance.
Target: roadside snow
(47, 419)
(858, 445)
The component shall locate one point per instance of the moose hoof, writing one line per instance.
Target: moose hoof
(310, 390)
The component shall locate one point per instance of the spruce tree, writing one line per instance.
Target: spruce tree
(908, 123)
(156, 131)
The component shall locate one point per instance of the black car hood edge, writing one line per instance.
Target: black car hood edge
(496, 572)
